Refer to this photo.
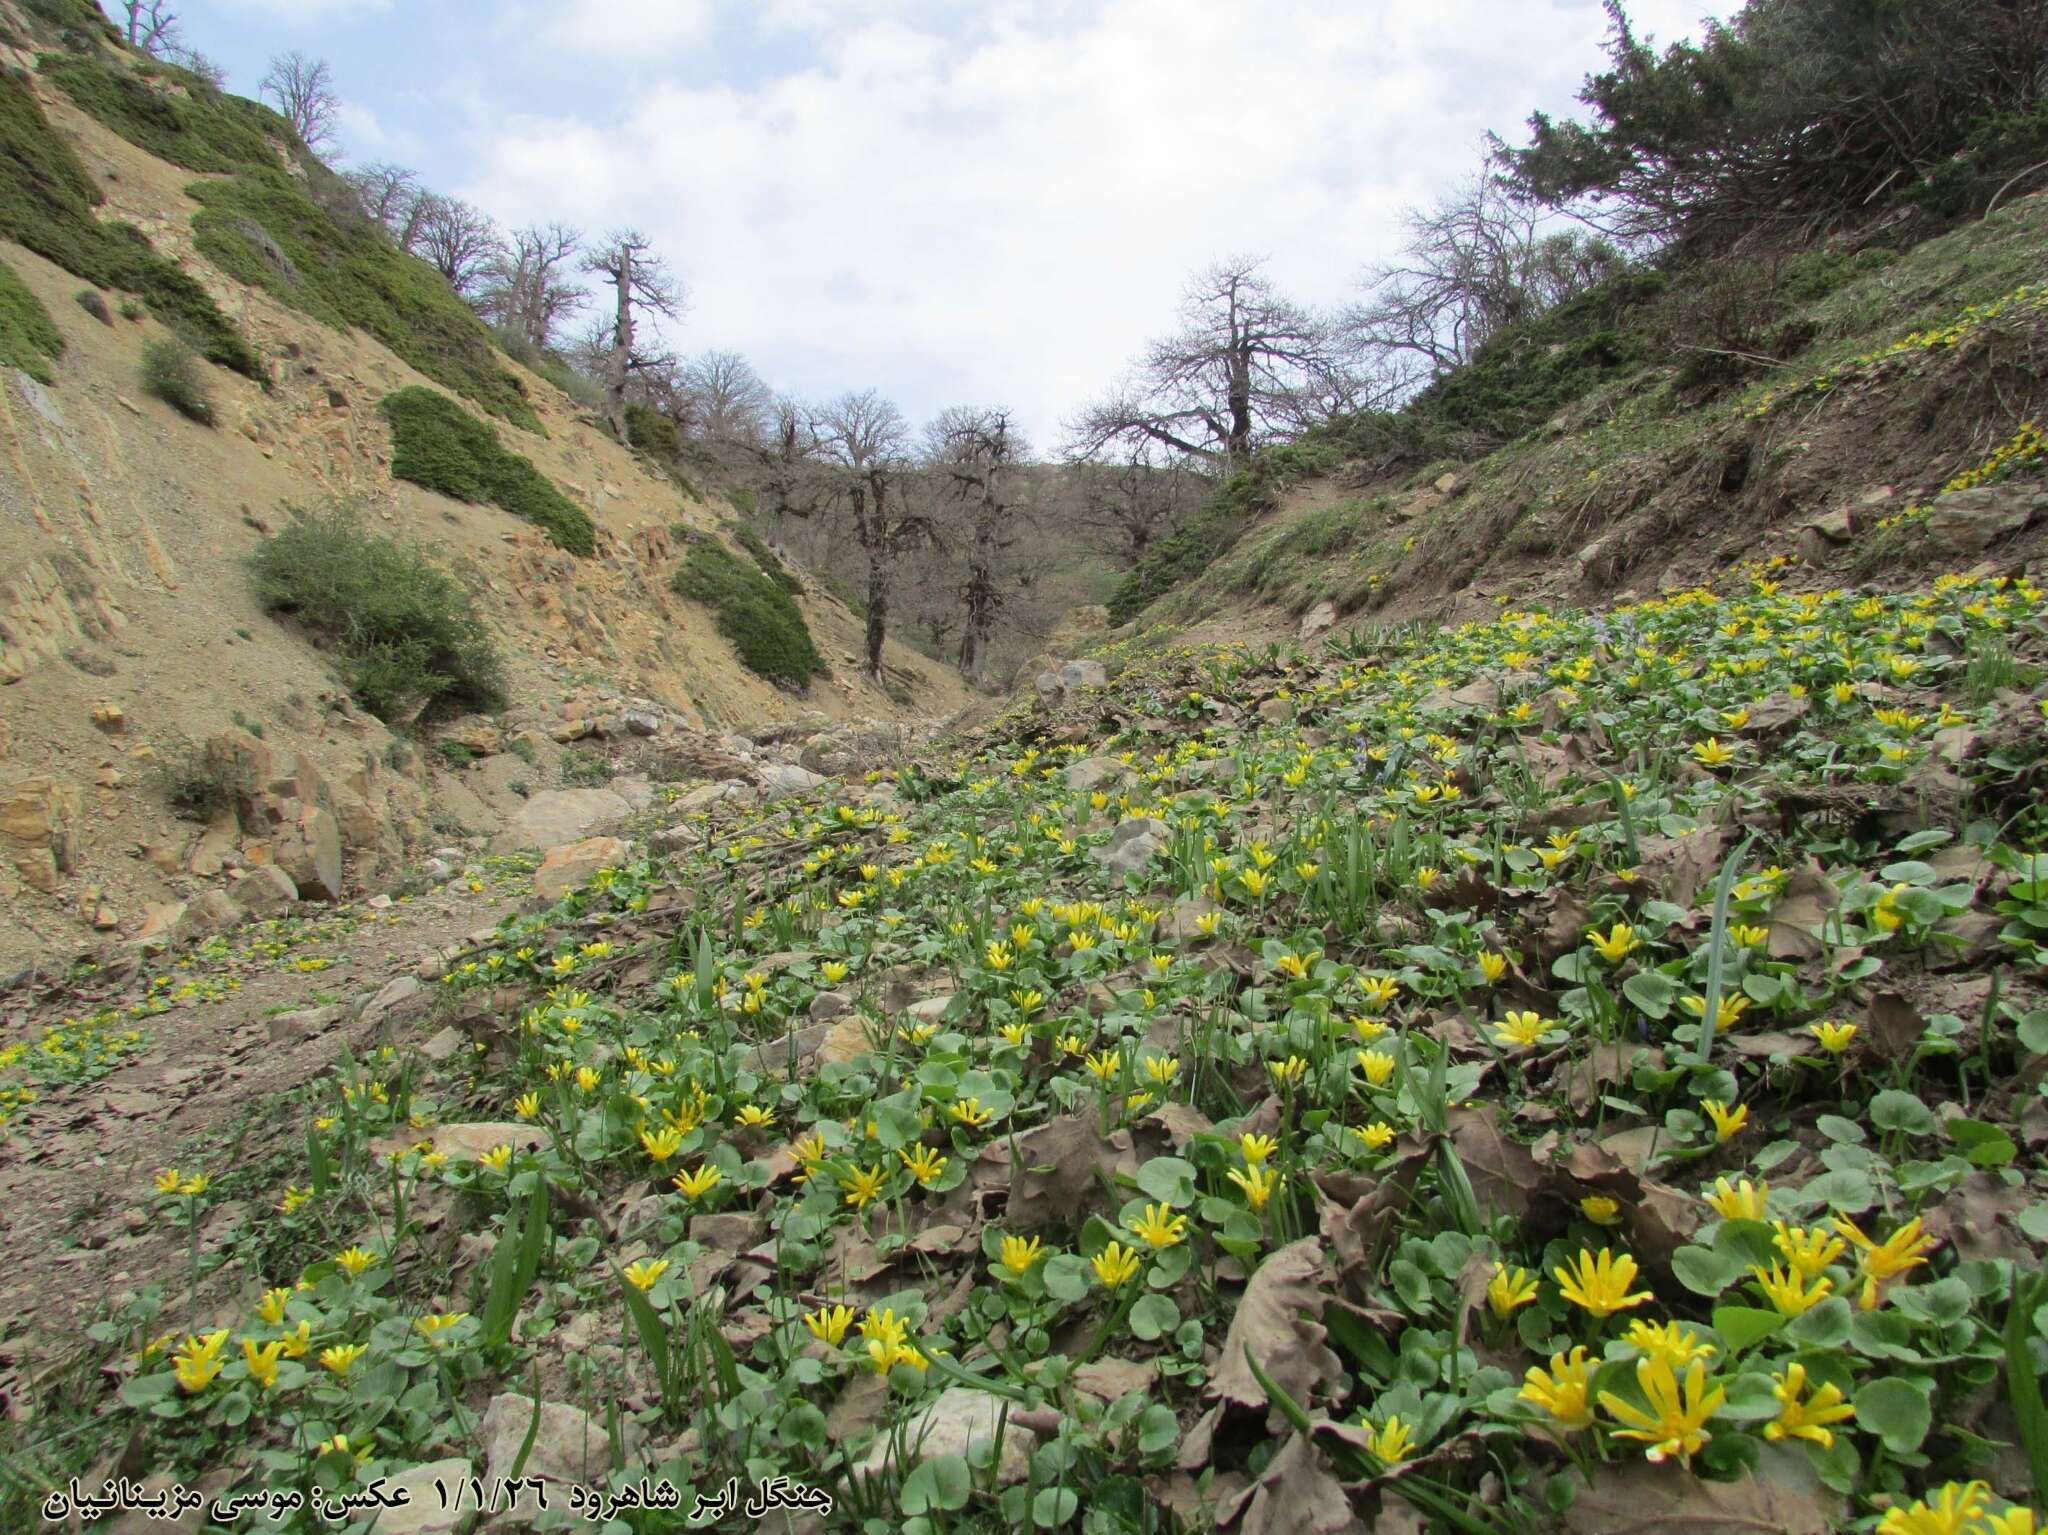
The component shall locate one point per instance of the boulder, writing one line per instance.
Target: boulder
(422, 1511)
(573, 864)
(476, 738)
(555, 816)
(243, 763)
(958, 1420)
(305, 842)
(1970, 521)
(642, 722)
(305, 1023)
(1319, 620)
(1091, 772)
(36, 817)
(635, 791)
(266, 891)
(169, 922)
(569, 1447)
(1134, 844)
(214, 847)
(783, 778)
(218, 911)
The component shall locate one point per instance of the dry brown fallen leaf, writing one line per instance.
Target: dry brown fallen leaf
(1278, 1323)
(1637, 1498)
(1359, 1218)
(1504, 1175)
(1297, 1495)
(1799, 912)
(1057, 1170)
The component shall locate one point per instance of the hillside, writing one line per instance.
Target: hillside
(123, 592)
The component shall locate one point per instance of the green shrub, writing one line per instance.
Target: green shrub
(407, 637)
(46, 204)
(304, 241)
(648, 431)
(438, 444)
(200, 128)
(29, 339)
(754, 611)
(190, 782)
(170, 371)
(757, 546)
(90, 301)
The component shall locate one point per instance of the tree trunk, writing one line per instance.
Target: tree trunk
(878, 605)
(1240, 402)
(622, 346)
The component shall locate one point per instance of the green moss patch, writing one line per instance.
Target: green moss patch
(29, 339)
(754, 610)
(46, 204)
(443, 447)
(170, 112)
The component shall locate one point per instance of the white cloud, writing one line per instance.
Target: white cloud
(626, 30)
(1003, 209)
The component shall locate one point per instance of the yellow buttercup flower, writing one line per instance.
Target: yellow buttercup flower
(925, 1164)
(355, 1261)
(1743, 1201)
(262, 1361)
(1378, 1135)
(1258, 1184)
(1616, 944)
(1562, 1390)
(1508, 1289)
(1115, 1265)
(1393, 1441)
(1601, 1209)
(1377, 1065)
(661, 1144)
(1808, 1251)
(1788, 1290)
(1159, 1227)
(969, 1112)
(197, 1360)
(341, 1358)
(862, 1188)
(1953, 1509)
(1833, 1037)
(1882, 1262)
(1711, 753)
(646, 1274)
(1492, 966)
(1727, 1122)
(1519, 1031)
(828, 1324)
(1670, 1341)
(1019, 1253)
(1257, 1148)
(1599, 1283)
(698, 1182)
(1805, 1417)
(271, 1307)
(1676, 1421)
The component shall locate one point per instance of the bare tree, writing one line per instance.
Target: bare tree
(457, 239)
(303, 89)
(1477, 263)
(1245, 364)
(1130, 501)
(728, 401)
(863, 442)
(152, 26)
(973, 452)
(391, 195)
(640, 283)
(527, 288)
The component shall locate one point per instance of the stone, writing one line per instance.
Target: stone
(476, 738)
(266, 891)
(1276, 711)
(1970, 521)
(782, 778)
(304, 1023)
(573, 864)
(930, 1009)
(305, 842)
(443, 1046)
(1446, 484)
(168, 922)
(218, 911)
(213, 847)
(465, 1143)
(958, 1420)
(1083, 674)
(1319, 620)
(569, 1446)
(422, 1512)
(1090, 772)
(642, 722)
(706, 795)
(394, 995)
(637, 792)
(1134, 844)
(36, 816)
(109, 717)
(827, 1005)
(556, 816)
(243, 763)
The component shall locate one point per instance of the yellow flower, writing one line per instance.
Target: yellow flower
(828, 1324)
(1159, 1226)
(753, 1117)
(1788, 1291)
(1952, 1510)
(262, 1361)
(1748, 937)
(1019, 1253)
(1115, 1265)
(1393, 1442)
(1804, 1417)
(1162, 1069)
(1518, 1031)
(1379, 990)
(431, 1327)
(197, 1360)
(527, 1106)
(1508, 1289)
(298, 1340)
(1288, 1073)
(587, 1079)
(1740, 1202)
(862, 1188)
(646, 1273)
(1601, 1210)
(355, 1261)
(925, 1164)
(1882, 1262)
(1257, 1148)
(1809, 1252)
(969, 1112)
(1671, 1341)
(696, 1184)
(1258, 1184)
(1000, 955)
(1833, 1037)
(1377, 1065)
(833, 970)
(1677, 1419)
(1378, 1135)
(1561, 1390)
(497, 1159)
(271, 1307)
(168, 1180)
(1727, 1123)
(1599, 1284)
(1725, 1016)
(1616, 944)
(1105, 1064)
(2014, 1521)
(1711, 753)
(661, 1144)
(342, 1357)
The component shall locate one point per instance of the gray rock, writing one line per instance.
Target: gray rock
(290, 1028)
(958, 1420)
(1083, 674)
(1092, 771)
(1134, 844)
(1971, 521)
(423, 1513)
(827, 1005)
(781, 778)
(442, 1046)
(643, 722)
(568, 1445)
(556, 816)
(392, 999)
(1318, 620)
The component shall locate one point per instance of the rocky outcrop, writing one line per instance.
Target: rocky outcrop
(555, 816)
(572, 865)
(36, 828)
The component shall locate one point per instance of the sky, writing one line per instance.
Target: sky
(990, 203)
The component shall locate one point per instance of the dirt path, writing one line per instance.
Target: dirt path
(79, 1215)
